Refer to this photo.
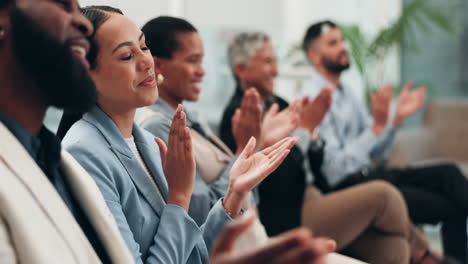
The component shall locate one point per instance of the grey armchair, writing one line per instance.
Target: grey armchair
(443, 136)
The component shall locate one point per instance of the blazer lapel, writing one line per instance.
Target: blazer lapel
(89, 197)
(133, 168)
(17, 158)
(141, 180)
(152, 157)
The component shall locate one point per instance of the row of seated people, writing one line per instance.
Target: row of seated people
(182, 62)
(349, 146)
(253, 63)
(129, 166)
(52, 210)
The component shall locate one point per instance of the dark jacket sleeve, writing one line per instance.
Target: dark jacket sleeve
(315, 157)
(225, 129)
(315, 154)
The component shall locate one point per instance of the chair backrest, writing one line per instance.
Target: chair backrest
(447, 120)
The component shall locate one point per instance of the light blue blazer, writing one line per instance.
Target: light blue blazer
(204, 195)
(154, 231)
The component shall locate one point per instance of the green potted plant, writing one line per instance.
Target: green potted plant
(369, 54)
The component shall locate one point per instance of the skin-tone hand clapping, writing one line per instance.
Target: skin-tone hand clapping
(178, 161)
(251, 168)
(248, 170)
(296, 246)
(409, 102)
(314, 111)
(247, 119)
(277, 125)
(380, 103)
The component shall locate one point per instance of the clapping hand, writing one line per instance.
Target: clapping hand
(409, 102)
(247, 119)
(313, 112)
(380, 103)
(251, 168)
(178, 161)
(278, 125)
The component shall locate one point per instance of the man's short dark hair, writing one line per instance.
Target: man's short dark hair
(160, 34)
(314, 32)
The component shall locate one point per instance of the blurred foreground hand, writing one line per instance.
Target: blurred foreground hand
(295, 246)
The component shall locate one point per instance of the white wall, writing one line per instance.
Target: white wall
(290, 16)
(286, 19)
(236, 14)
(140, 11)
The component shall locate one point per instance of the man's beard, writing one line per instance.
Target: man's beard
(62, 81)
(333, 66)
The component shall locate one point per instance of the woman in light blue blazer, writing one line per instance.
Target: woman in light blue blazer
(146, 186)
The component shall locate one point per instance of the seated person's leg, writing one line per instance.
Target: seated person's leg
(438, 194)
(376, 247)
(344, 215)
(446, 180)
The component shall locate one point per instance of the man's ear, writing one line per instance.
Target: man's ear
(313, 56)
(240, 70)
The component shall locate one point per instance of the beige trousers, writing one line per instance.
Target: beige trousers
(255, 237)
(369, 220)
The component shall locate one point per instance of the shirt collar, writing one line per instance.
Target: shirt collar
(28, 140)
(339, 88)
(46, 146)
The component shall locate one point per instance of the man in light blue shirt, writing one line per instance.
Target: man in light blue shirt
(355, 141)
(348, 156)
